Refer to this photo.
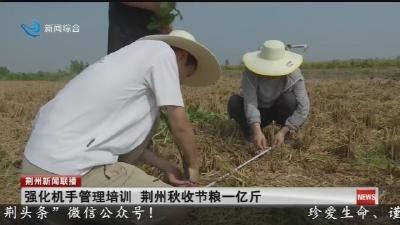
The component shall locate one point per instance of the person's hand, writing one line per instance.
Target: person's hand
(175, 177)
(259, 141)
(155, 7)
(194, 175)
(279, 139)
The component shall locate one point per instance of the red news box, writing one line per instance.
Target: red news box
(366, 197)
(51, 181)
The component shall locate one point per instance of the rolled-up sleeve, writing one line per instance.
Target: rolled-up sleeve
(297, 119)
(249, 87)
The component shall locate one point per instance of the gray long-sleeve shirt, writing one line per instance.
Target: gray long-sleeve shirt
(259, 92)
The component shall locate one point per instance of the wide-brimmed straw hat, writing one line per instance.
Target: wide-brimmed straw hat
(208, 70)
(272, 60)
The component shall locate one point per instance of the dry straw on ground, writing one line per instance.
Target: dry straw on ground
(352, 137)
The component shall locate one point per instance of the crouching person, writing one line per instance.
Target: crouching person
(273, 89)
(101, 123)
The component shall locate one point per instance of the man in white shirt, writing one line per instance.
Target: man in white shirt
(102, 121)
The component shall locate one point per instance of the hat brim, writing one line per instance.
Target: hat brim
(208, 70)
(289, 63)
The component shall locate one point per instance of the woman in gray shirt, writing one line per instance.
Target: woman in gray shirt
(273, 88)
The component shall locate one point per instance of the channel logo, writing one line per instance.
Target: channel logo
(33, 30)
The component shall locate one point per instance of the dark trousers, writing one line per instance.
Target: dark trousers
(126, 24)
(283, 107)
(119, 36)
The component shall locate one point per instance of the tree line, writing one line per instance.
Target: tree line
(77, 66)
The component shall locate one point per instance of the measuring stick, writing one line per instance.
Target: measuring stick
(240, 166)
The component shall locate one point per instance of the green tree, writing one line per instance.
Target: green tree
(76, 66)
(4, 70)
(398, 61)
(227, 62)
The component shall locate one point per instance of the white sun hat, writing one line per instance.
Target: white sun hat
(272, 60)
(208, 70)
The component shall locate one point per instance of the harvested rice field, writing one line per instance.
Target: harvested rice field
(352, 136)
